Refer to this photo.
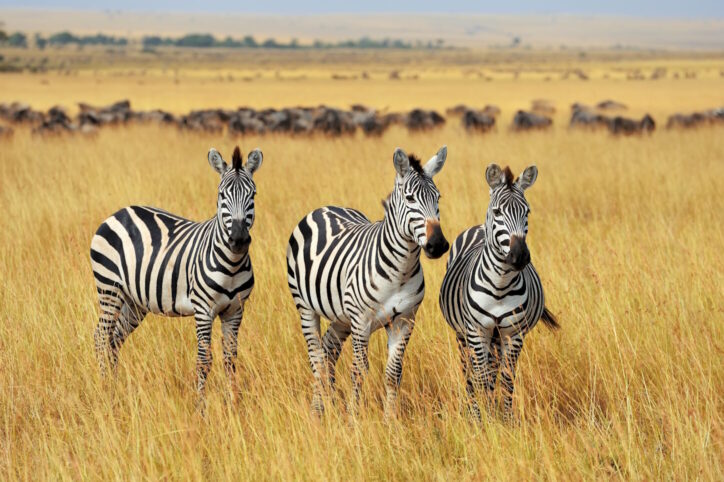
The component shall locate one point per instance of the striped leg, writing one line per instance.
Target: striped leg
(466, 358)
(128, 320)
(398, 335)
(361, 363)
(230, 323)
(332, 343)
(203, 355)
(110, 303)
(480, 342)
(510, 350)
(311, 332)
(494, 357)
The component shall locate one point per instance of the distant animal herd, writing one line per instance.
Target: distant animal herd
(337, 122)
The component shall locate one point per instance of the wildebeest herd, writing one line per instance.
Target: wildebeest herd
(336, 122)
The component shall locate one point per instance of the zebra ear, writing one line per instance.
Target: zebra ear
(401, 161)
(528, 177)
(216, 161)
(494, 176)
(436, 162)
(253, 162)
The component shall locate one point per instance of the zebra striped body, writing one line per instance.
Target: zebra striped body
(491, 295)
(146, 260)
(168, 265)
(363, 276)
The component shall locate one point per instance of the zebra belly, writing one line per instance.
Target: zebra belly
(401, 301)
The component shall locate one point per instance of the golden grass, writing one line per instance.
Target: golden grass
(626, 234)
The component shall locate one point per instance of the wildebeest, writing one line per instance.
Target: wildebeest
(584, 116)
(460, 109)
(55, 121)
(477, 120)
(696, 119)
(625, 126)
(421, 119)
(20, 112)
(529, 120)
(116, 113)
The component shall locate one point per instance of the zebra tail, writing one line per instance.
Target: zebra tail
(549, 320)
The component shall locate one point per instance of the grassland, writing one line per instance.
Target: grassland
(626, 234)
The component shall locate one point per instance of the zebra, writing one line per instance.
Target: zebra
(363, 276)
(148, 260)
(491, 295)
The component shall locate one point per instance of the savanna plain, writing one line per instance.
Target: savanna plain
(625, 233)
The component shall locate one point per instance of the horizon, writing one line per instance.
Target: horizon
(709, 10)
(455, 29)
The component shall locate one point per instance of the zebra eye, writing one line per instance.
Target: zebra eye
(496, 212)
(410, 198)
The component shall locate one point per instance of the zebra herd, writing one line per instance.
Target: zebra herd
(360, 275)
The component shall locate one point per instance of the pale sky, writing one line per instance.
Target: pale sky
(642, 8)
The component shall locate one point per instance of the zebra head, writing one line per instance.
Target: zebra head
(415, 201)
(506, 225)
(235, 204)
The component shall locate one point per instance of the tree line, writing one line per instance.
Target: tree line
(200, 40)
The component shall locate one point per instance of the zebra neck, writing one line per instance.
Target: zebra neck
(217, 252)
(494, 268)
(404, 252)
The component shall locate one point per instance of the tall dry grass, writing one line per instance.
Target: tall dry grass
(626, 234)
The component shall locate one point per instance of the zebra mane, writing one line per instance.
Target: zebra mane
(415, 163)
(509, 178)
(236, 159)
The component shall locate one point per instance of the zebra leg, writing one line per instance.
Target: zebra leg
(203, 355)
(360, 366)
(479, 341)
(332, 343)
(230, 323)
(128, 320)
(311, 332)
(110, 303)
(398, 334)
(510, 350)
(466, 358)
(494, 360)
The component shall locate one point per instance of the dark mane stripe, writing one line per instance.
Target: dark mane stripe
(509, 178)
(415, 163)
(236, 158)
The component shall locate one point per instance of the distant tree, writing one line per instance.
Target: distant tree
(3, 37)
(250, 42)
(515, 42)
(18, 39)
(270, 44)
(40, 42)
(62, 38)
(151, 41)
(196, 40)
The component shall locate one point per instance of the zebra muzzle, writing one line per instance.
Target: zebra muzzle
(239, 237)
(436, 244)
(519, 255)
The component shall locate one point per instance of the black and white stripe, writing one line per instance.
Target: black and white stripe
(491, 294)
(148, 260)
(363, 276)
